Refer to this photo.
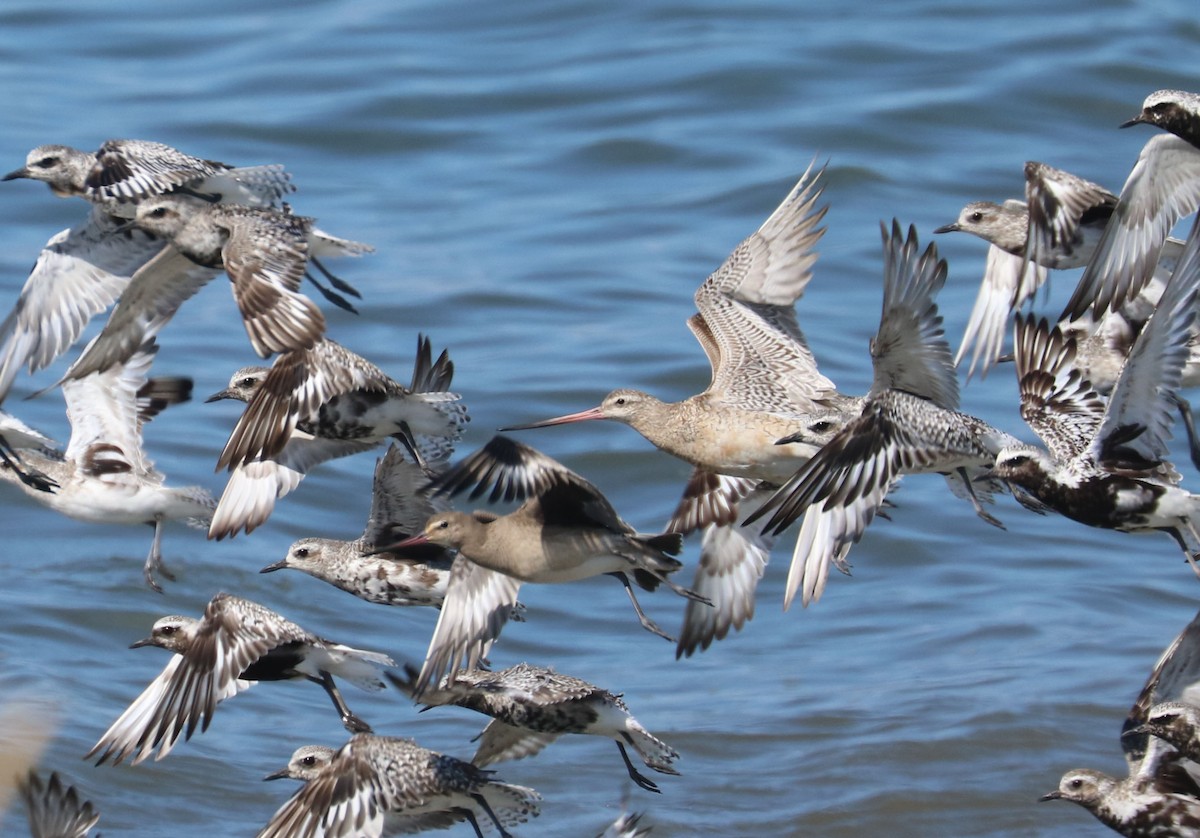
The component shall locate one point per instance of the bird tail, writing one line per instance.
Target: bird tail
(512, 804)
(358, 666)
(670, 543)
(656, 753)
(322, 244)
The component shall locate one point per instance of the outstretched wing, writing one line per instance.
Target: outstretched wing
(478, 603)
(910, 351)
(747, 319)
(1057, 403)
(1163, 187)
(1137, 424)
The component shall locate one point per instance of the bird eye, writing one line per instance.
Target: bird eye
(441, 525)
(621, 400)
(168, 629)
(248, 381)
(309, 760)
(47, 163)
(1075, 784)
(821, 426)
(977, 216)
(301, 552)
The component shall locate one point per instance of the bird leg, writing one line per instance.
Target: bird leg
(331, 295)
(1189, 425)
(154, 561)
(648, 624)
(406, 438)
(971, 496)
(1187, 548)
(334, 280)
(337, 282)
(686, 593)
(352, 722)
(470, 816)
(640, 779)
(487, 809)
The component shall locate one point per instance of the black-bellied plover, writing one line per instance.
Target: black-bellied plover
(400, 506)
(1106, 460)
(105, 476)
(82, 270)
(1057, 226)
(1154, 805)
(124, 172)
(54, 808)
(1176, 723)
(330, 392)
(236, 643)
(1065, 217)
(1162, 187)
(265, 252)
(318, 404)
(763, 375)
(1005, 276)
(531, 706)
(1177, 111)
(908, 424)
(564, 530)
(381, 785)
(130, 171)
(1160, 797)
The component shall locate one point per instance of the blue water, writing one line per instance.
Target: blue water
(546, 184)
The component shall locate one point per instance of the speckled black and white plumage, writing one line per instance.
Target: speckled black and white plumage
(400, 506)
(1067, 214)
(1106, 460)
(330, 392)
(732, 560)
(123, 172)
(236, 643)
(1160, 798)
(1177, 111)
(380, 785)
(305, 395)
(534, 705)
(129, 171)
(1162, 806)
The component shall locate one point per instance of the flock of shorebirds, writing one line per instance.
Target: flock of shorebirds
(772, 442)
